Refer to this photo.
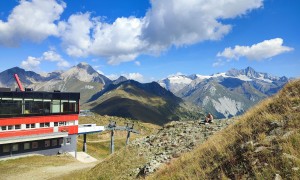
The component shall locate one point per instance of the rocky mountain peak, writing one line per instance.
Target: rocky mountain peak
(250, 72)
(86, 67)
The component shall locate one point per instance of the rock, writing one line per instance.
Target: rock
(269, 139)
(289, 156)
(248, 145)
(260, 148)
(295, 168)
(277, 177)
(172, 140)
(287, 134)
(278, 131)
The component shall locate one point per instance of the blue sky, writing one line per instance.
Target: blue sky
(150, 40)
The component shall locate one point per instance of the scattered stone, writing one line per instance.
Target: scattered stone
(260, 148)
(287, 134)
(289, 156)
(277, 177)
(172, 140)
(278, 131)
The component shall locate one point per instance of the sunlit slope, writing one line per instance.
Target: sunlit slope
(263, 144)
(147, 102)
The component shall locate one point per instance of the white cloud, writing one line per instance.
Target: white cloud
(100, 72)
(31, 20)
(134, 76)
(112, 76)
(32, 63)
(167, 23)
(138, 63)
(260, 51)
(218, 63)
(54, 57)
(176, 74)
(75, 34)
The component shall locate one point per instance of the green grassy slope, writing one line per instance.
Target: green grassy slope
(263, 144)
(147, 102)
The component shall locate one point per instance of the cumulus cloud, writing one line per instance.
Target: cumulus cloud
(138, 63)
(167, 23)
(260, 51)
(32, 63)
(134, 76)
(31, 20)
(218, 63)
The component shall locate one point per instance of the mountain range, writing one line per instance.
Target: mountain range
(177, 97)
(225, 94)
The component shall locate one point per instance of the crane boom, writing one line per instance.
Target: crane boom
(19, 82)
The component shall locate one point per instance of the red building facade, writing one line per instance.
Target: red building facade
(38, 122)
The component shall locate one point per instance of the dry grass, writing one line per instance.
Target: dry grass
(98, 144)
(231, 153)
(21, 165)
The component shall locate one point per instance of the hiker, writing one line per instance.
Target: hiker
(209, 118)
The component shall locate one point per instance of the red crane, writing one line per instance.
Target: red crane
(19, 82)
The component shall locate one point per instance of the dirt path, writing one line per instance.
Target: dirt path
(51, 172)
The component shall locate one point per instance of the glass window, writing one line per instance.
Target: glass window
(9, 127)
(15, 147)
(28, 106)
(47, 103)
(42, 124)
(72, 106)
(47, 124)
(62, 123)
(26, 146)
(54, 142)
(35, 145)
(47, 143)
(3, 128)
(32, 125)
(18, 126)
(27, 126)
(64, 106)
(60, 141)
(6, 148)
(56, 106)
(8, 106)
(37, 107)
(55, 123)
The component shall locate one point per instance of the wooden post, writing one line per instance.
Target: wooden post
(84, 143)
(112, 146)
(128, 136)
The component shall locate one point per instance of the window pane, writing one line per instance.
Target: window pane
(26, 146)
(56, 106)
(18, 126)
(6, 148)
(32, 125)
(54, 142)
(15, 147)
(35, 145)
(47, 143)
